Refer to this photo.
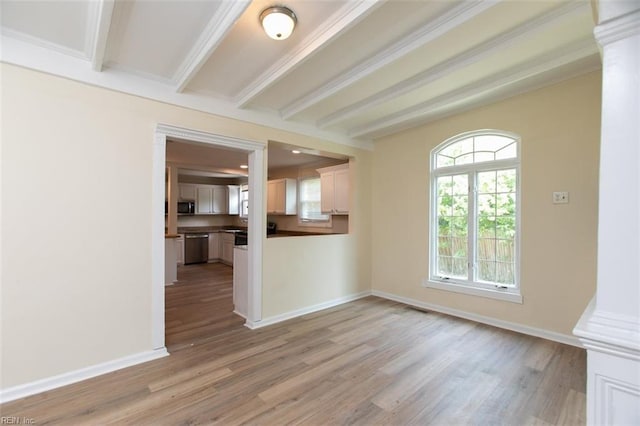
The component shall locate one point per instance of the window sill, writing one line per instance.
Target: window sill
(508, 295)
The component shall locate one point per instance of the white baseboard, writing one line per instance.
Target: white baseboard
(38, 386)
(524, 329)
(235, 311)
(304, 311)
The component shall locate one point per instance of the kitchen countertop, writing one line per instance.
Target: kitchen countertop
(279, 234)
(201, 229)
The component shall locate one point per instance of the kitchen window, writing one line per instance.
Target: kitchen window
(309, 208)
(474, 219)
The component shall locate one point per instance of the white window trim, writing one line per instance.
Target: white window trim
(506, 294)
(310, 223)
(470, 287)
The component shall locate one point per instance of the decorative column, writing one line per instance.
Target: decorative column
(610, 326)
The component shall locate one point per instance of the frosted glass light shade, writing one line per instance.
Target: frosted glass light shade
(278, 22)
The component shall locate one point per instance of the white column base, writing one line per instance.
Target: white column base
(613, 367)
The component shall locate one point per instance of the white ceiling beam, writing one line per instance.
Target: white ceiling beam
(441, 25)
(480, 52)
(542, 64)
(215, 31)
(345, 18)
(101, 33)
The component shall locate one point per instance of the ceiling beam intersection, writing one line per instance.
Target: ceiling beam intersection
(98, 33)
(215, 31)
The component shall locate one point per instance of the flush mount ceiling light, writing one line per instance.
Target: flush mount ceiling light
(278, 22)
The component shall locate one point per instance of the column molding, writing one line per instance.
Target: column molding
(609, 328)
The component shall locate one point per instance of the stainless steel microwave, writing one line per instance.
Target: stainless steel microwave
(184, 207)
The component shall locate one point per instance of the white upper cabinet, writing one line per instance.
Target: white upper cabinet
(211, 199)
(281, 197)
(187, 191)
(334, 189)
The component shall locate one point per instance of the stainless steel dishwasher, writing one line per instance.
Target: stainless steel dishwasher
(196, 248)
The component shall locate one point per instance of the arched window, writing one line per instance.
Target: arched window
(474, 214)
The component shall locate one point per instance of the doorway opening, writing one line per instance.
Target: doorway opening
(254, 151)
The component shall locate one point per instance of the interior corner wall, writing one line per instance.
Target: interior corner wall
(560, 130)
(76, 279)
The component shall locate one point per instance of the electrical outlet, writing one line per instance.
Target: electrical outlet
(561, 197)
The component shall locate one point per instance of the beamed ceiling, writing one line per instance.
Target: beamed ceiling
(352, 71)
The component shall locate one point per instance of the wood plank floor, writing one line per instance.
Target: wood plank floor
(200, 305)
(368, 362)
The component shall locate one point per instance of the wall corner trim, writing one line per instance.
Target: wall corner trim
(42, 385)
(519, 328)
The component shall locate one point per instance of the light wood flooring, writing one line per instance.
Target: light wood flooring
(368, 362)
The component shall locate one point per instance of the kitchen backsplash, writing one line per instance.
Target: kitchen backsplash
(208, 220)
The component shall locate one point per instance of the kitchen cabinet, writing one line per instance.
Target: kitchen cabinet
(233, 192)
(180, 249)
(334, 189)
(211, 199)
(214, 246)
(187, 191)
(281, 197)
(170, 261)
(240, 281)
(228, 240)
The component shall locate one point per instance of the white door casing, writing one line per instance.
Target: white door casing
(256, 219)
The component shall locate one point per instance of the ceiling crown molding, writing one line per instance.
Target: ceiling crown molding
(444, 23)
(42, 58)
(216, 30)
(419, 113)
(618, 28)
(473, 55)
(339, 22)
(43, 44)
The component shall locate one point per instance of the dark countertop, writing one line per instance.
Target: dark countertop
(296, 234)
(201, 229)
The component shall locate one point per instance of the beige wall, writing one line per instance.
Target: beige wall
(76, 269)
(560, 129)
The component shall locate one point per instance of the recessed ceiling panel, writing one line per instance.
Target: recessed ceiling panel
(56, 23)
(248, 52)
(205, 156)
(154, 37)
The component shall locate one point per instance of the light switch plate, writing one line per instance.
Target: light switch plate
(561, 197)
